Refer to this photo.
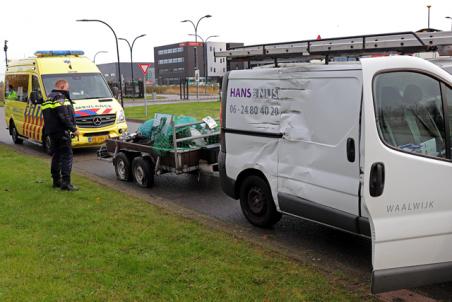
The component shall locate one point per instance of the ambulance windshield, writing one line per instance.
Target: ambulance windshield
(82, 86)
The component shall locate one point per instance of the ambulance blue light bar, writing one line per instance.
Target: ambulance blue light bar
(55, 53)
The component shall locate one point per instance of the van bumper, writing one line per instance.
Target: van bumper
(227, 184)
(90, 137)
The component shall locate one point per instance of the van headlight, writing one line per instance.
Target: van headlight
(121, 117)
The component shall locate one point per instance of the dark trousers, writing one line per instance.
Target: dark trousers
(61, 158)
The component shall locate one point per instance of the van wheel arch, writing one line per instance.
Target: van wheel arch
(244, 175)
(14, 134)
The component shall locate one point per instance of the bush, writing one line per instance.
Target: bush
(175, 89)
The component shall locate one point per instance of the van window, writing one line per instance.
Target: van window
(82, 86)
(409, 112)
(16, 87)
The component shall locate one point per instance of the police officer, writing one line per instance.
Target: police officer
(59, 123)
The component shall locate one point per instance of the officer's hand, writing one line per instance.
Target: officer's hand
(77, 133)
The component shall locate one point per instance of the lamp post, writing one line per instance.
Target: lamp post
(205, 57)
(450, 18)
(5, 49)
(196, 41)
(131, 58)
(117, 52)
(102, 51)
(428, 17)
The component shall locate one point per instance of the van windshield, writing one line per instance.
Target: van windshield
(82, 86)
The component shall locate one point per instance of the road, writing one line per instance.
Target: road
(326, 248)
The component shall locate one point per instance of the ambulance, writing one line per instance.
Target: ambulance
(363, 146)
(28, 81)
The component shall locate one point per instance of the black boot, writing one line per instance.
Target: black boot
(56, 183)
(67, 186)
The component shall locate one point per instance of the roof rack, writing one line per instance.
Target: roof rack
(400, 42)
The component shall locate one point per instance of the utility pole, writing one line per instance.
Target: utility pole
(196, 42)
(5, 48)
(131, 59)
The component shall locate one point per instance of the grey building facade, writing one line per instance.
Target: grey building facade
(109, 70)
(175, 63)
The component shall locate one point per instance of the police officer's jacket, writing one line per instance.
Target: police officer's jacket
(58, 113)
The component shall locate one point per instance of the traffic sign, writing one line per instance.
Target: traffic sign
(144, 68)
(197, 75)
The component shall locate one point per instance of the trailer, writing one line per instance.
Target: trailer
(136, 159)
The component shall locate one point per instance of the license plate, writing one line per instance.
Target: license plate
(97, 139)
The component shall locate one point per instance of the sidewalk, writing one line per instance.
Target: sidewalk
(170, 99)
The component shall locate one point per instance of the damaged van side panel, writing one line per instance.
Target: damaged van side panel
(293, 126)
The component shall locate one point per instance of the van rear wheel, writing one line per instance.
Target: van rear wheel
(257, 202)
(14, 134)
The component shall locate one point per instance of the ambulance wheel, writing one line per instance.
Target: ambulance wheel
(142, 172)
(14, 134)
(46, 144)
(122, 167)
(257, 202)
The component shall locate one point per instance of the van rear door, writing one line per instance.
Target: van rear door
(407, 171)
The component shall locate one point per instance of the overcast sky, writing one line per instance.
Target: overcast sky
(45, 24)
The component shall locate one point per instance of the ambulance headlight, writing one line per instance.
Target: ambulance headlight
(121, 117)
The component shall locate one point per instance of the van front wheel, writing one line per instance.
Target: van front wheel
(257, 202)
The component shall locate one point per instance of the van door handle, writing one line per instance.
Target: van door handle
(377, 179)
(351, 149)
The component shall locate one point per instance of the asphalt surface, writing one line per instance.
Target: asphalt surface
(330, 250)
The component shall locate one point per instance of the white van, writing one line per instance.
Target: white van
(364, 147)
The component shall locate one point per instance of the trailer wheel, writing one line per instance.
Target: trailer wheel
(257, 202)
(142, 171)
(122, 167)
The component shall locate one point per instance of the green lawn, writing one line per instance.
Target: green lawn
(197, 110)
(101, 245)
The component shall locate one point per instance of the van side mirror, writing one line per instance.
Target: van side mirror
(36, 97)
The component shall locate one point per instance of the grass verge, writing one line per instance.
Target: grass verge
(197, 110)
(100, 245)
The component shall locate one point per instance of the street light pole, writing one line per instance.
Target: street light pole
(5, 49)
(196, 42)
(131, 58)
(117, 53)
(450, 18)
(102, 51)
(205, 57)
(428, 22)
